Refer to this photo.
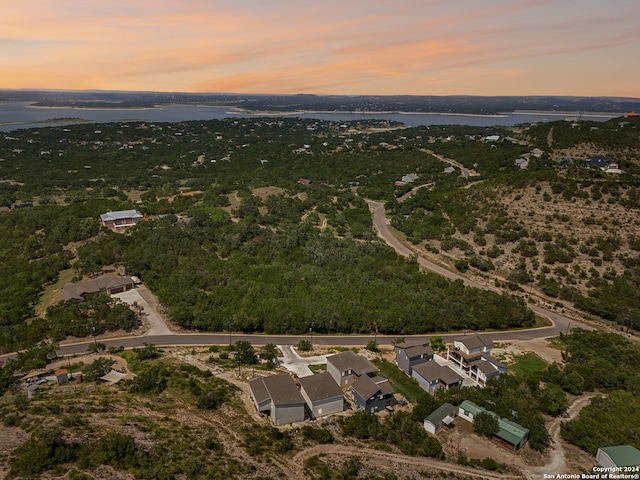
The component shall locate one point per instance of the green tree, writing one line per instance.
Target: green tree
(553, 400)
(438, 344)
(244, 352)
(485, 424)
(270, 352)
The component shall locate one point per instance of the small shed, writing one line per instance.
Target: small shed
(441, 416)
(62, 376)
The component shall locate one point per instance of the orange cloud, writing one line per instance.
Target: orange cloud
(287, 46)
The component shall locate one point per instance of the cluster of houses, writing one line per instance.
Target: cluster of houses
(286, 401)
(601, 162)
(468, 359)
(469, 355)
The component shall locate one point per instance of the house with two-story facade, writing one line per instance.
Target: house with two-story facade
(433, 377)
(372, 393)
(346, 367)
(408, 354)
(322, 394)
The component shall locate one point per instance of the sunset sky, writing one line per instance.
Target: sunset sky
(417, 47)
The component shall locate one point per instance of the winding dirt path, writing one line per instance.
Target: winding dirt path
(391, 462)
(558, 461)
(466, 172)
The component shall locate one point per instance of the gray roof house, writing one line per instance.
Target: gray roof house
(410, 354)
(484, 368)
(120, 220)
(322, 394)
(372, 393)
(346, 367)
(467, 349)
(279, 397)
(473, 344)
(432, 377)
(441, 416)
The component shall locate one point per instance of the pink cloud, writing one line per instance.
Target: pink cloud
(290, 46)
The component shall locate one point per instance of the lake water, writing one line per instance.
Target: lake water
(18, 115)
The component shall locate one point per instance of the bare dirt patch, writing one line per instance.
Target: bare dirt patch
(264, 192)
(542, 347)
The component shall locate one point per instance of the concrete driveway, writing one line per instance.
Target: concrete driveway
(150, 316)
(297, 364)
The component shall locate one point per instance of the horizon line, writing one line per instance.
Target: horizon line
(99, 90)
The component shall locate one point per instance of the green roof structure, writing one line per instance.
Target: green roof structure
(620, 455)
(508, 431)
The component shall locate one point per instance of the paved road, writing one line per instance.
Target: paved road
(561, 322)
(164, 337)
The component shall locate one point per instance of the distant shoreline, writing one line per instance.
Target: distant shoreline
(568, 113)
(74, 107)
(240, 111)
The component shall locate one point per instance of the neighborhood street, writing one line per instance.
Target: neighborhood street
(159, 333)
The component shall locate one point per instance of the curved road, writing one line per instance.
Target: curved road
(560, 322)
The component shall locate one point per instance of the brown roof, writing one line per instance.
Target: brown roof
(405, 345)
(259, 391)
(417, 350)
(320, 387)
(474, 341)
(348, 360)
(367, 387)
(76, 291)
(282, 390)
(432, 371)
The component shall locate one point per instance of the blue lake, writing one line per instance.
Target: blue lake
(18, 115)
